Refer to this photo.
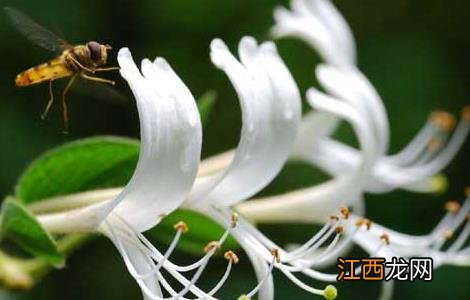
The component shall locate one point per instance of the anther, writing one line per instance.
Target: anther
(244, 297)
(345, 212)
(334, 218)
(231, 256)
(385, 238)
(214, 245)
(447, 234)
(364, 221)
(234, 220)
(275, 253)
(339, 230)
(434, 144)
(466, 113)
(181, 226)
(467, 191)
(452, 207)
(444, 120)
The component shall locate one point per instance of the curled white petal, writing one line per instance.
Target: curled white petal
(270, 104)
(318, 23)
(171, 140)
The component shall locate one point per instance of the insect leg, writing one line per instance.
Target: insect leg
(49, 103)
(106, 69)
(97, 79)
(76, 62)
(64, 104)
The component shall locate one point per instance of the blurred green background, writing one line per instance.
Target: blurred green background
(414, 52)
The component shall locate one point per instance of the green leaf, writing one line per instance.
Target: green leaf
(205, 105)
(202, 230)
(22, 227)
(93, 163)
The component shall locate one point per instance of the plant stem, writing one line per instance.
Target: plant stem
(22, 274)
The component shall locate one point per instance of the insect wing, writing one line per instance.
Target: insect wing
(35, 32)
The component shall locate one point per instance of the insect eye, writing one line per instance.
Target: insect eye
(95, 50)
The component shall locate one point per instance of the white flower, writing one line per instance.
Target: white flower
(165, 174)
(319, 23)
(171, 140)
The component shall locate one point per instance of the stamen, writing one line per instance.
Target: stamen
(311, 245)
(466, 113)
(181, 226)
(260, 282)
(444, 120)
(334, 218)
(364, 221)
(447, 234)
(232, 259)
(461, 239)
(304, 286)
(345, 212)
(275, 254)
(385, 238)
(213, 246)
(339, 230)
(231, 256)
(452, 207)
(234, 220)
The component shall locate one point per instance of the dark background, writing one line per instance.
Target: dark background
(414, 52)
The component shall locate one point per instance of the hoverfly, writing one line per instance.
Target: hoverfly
(72, 61)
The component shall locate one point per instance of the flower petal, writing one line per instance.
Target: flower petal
(318, 23)
(270, 104)
(171, 143)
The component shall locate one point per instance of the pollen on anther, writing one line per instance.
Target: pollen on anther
(447, 234)
(385, 238)
(181, 226)
(452, 207)
(434, 144)
(276, 255)
(231, 256)
(444, 120)
(364, 221)
(345, 212)
(466, 113)
(339, 230)
(467, 192)
(234, 220)
(334, 218)
(214, 245)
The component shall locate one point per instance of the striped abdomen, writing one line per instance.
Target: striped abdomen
(51, 70)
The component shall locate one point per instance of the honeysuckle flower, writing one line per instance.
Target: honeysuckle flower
(168, 174)
(416, 166)
(347, 188)
(171, 140)
(351, 97)
(270, 103)
(413, 168)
